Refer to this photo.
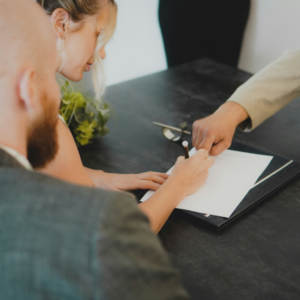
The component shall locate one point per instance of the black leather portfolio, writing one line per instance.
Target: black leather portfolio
(280, 172)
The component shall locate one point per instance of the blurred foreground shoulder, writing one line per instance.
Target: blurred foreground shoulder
(131, 261)
(59, 240)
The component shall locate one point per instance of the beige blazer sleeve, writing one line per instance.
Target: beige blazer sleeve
(269, 90)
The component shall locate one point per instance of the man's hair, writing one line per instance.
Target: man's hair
(78, 9)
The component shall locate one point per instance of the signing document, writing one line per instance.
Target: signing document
(230, 179)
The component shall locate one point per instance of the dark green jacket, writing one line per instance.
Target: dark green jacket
(61, 241)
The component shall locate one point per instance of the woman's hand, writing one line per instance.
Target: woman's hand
(127, 182)
(214, 133)
(190, 174)
(187, 176)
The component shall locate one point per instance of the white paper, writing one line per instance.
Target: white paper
(230, 179)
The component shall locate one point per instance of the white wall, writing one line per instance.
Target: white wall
(137, 47)
(273, 27)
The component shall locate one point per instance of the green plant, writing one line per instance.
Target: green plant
(86, 118)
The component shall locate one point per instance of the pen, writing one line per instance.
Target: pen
(185, 145)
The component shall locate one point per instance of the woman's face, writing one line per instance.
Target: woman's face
(80, 44)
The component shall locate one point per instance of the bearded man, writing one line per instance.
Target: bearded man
(57, 240)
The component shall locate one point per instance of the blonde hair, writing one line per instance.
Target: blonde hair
(78, 9)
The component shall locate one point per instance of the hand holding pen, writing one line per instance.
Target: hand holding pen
(192, 172)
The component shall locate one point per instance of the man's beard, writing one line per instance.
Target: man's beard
(42, 141)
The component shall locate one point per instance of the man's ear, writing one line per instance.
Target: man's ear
(26, 89)
(60, 19)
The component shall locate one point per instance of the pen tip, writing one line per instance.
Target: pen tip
(185, 143)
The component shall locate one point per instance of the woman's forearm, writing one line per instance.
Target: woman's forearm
(161, 204)
(95, 175)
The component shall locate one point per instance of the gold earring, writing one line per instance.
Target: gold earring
(61, 45)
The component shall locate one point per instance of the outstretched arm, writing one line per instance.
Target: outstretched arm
(253, 102)
(68, 166)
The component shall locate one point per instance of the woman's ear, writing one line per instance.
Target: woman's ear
(60, 19)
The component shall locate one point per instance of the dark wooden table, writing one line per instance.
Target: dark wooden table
(258, 255)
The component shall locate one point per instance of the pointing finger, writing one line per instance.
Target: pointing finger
(203, 153)
(207, 143)
(220, 147)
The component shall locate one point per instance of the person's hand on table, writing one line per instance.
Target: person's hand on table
(127, 182)
(215, 132)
